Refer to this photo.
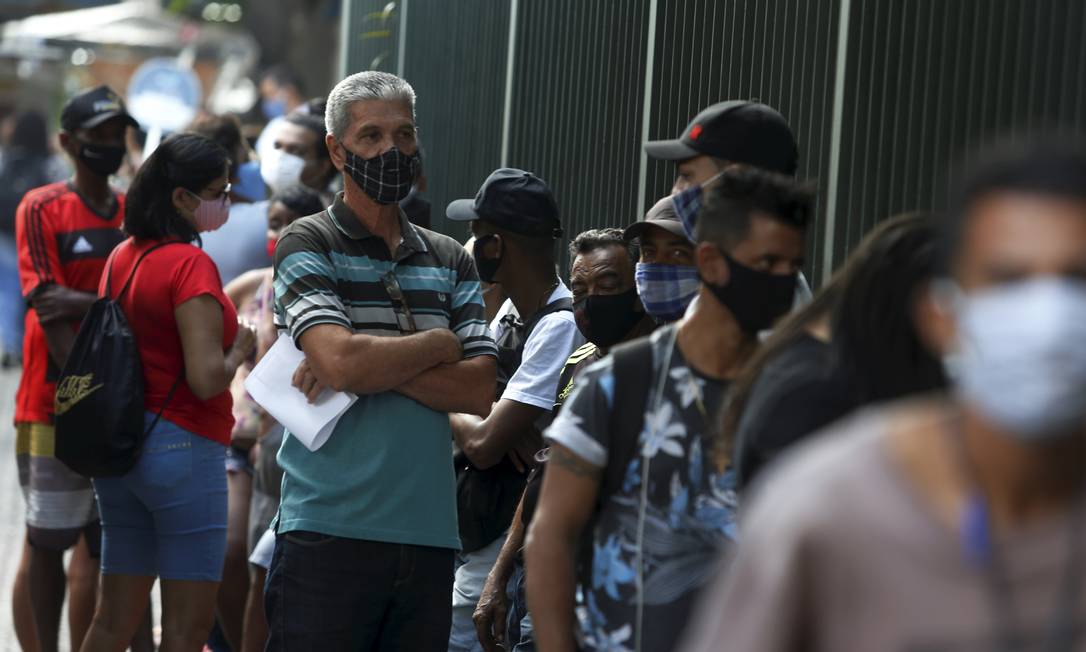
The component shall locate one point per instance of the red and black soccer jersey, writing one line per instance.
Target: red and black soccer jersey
(62, 241)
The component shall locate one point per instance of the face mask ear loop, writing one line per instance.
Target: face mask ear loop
(642, 509)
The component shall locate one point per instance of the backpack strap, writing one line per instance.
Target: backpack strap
(132, 274)
(632, 368)
(128, 282)
(564, 304)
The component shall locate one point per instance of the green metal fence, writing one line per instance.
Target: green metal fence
(884, 95)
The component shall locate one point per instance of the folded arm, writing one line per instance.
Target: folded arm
(464, 386)
(58, 308)
(368, 364)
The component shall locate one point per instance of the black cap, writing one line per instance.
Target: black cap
(737, 131)
(513, 200)
(663, 215)
(91, 108)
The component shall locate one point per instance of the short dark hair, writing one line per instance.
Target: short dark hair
(30, 133)
(300, 199)
(224, 130)
(185, 160)
(314, 124)
(283, 77)
(1047, 167)
(725, 216)
(594, 239)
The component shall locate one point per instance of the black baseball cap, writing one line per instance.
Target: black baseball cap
(513, 200)
(738, 131)
(93, 107)
(663, 215)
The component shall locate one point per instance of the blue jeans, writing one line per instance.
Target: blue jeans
(332, 593)
(471, 573)
(518, 628)
(167, 516)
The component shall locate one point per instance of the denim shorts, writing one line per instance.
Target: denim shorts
(167, 516)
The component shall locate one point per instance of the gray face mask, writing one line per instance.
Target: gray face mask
(1020, 359)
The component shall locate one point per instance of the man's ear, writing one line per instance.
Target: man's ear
(493, 247)
(335, 151)
(66, 142)
(711, 264)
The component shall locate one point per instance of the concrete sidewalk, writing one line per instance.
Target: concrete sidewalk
(12, 530)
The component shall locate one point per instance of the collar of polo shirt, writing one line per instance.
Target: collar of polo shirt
(349, 224)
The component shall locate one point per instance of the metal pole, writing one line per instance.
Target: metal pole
(402, 54)
(835, 140)
(646, 109)
(510, 57)
(344, 39)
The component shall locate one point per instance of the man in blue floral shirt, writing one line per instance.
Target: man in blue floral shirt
(657, 537)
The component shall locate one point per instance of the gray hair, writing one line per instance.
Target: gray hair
(366, 85)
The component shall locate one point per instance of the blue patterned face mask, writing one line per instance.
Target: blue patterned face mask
(666, 290)
(687, 204)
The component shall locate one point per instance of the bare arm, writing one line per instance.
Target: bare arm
(487, 441)
(208, 371)
(242, 289)
(566, 502)
(465, 386)
(56, 303)
(59, 338)
(367, 364)
(57, 308)
(493, 605)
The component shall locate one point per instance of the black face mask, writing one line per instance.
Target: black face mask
(487, 267)
(606, 319)
(757, 299)
(102, 160)
(386, 178)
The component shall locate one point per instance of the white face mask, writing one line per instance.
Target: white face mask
(1021, 355)
(281, 170)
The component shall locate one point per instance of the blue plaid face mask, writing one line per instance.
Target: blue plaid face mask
(688, 203)
(666, 290)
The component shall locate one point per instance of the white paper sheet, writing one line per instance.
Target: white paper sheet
(270, 386)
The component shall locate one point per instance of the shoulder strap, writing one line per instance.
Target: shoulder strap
(558, 305)
(632, 368)
(132, 274)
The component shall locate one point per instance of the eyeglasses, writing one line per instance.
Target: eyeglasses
(404, 318)
(220, 196)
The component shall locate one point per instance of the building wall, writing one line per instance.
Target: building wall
(919, 85)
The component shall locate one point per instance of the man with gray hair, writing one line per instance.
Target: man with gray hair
(367, 529)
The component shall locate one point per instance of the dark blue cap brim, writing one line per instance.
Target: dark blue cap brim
(462, 210)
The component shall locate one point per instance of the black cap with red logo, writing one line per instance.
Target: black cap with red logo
(737, 131)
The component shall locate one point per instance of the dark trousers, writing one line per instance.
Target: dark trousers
(330, 593)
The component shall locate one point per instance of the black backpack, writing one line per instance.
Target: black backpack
(99, 401)
(486, 499)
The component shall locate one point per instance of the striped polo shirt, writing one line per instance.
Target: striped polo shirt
(386, 472)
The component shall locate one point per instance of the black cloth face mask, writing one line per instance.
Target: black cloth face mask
(386, 178)
(102, 160)
(606, 319)
(487, 267)
(756, 299)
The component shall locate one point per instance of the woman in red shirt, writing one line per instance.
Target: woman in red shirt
(166, 518)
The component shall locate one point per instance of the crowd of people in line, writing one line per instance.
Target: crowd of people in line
(670, 445)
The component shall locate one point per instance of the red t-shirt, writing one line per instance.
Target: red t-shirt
(166, 278)
(61, 241)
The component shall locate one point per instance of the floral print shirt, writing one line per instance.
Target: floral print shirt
(689, 507)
